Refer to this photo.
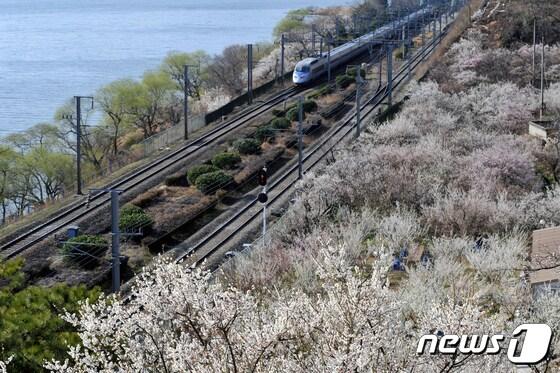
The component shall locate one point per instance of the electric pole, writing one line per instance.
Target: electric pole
(282, 41)
(115, 241)
(249, 74)
(78, 139)
(300, 138)
(389, 74)
(534, 50)
(78, 146)
(358, 103)
(329, 61)
(186, 87)
(542, 79)
(115, 238)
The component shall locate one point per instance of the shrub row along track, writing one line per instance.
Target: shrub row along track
(281, 185)
(83, 208)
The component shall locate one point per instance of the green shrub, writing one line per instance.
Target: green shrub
(131, 209)
(247, 146)
(265, 133)
(199, 170)
(133, 222)
(322, 91)
(176, 180)
(212, 181)
(85, 250)
(280, 123)
(32, 329)
(226, 160)
(343, 81)
(352, 72)
(293, 114)
(278, 113)
(309, 106)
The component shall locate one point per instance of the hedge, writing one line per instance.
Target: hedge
(309, 106)
(324, 90)
(278, 113)
(343, 81)
(133, 218)
(85, 250)
(247, 146)
(280, 123)
(265, 133)
(293, 114)
(200, 170)
(212, 181)
(226, 160)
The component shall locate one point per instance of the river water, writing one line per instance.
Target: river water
(51, 50)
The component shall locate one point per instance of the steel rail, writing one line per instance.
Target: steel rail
(371, 104)
(43, 230)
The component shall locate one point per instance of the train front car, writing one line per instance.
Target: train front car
(302, 72)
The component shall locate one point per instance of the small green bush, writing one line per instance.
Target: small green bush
(199, 170)
(226, 160)
(278, 113)
(280, 123)
(131, 209)
(343, 81)
(293, 114)
(176, 180)
(247, 146)
(309, 106)
(322, 91)
(210, 182)
(85, 250)
(352, 72)
(265, 133)
(133, 218)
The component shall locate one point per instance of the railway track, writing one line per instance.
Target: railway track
(96, 201)
(280, 186)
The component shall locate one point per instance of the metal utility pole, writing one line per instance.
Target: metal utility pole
(358, 103)
(329, 62)
(115, 237)
(534, 50)
(313, 39)
(115, 241)
(282, 41)
(389, 74)
(300, 138)
(250, 73)
(186, 86)
(78, 145)
(79, 140)
(186, 103)
(542, 79)
(321, 47)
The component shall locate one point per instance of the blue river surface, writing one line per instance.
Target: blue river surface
(51, 50)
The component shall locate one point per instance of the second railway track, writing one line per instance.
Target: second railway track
(78, 210)
(241, 219)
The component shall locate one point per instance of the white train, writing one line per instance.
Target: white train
(313, 67)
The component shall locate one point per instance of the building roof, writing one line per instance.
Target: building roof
(545, 252)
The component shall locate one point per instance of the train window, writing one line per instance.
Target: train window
(300, 68)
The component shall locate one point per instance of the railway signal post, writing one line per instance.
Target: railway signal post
(263, 197)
